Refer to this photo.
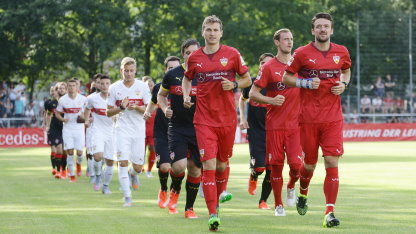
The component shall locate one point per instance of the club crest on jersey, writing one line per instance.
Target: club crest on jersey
(172, 155)
(137, 93)
(224, 61)
(202, 152)
(336, 59)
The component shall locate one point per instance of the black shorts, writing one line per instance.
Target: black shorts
(162, 151)
(182, 144)
(54, 137)
(257, 144)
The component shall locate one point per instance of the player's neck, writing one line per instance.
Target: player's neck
(322, 46)
(283, 57)
(72, 95)
(128, 83)
(211, 48)
(104, 95)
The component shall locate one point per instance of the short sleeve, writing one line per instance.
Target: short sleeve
(111, 100)
(262, 79)
(190, 68)
(60, 107)
(46, 105)
(165, 81)
(346, 60)
(84, 105)
(240, 65)
(147, 96)
(90, 102)
(295, 64)
(154, 93)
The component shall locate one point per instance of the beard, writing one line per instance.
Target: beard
(322, 40)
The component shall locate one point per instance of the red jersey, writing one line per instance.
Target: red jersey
(320, 105)
(215, 107)
(285, 116)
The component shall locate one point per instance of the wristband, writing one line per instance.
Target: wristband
(235, 84)
(345, 83)
(304, 83)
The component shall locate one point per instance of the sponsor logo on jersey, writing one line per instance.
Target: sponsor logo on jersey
(224, 62)
(336, 59)
(312, 61)
(278, 73)
(209, 183)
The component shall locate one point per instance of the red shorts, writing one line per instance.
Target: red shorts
(215, 142)
(326, 135)
(281, 143)
(149, 141)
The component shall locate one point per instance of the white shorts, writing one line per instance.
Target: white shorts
(103, 143)
(89, 133)
(73, 138)
(130, 147)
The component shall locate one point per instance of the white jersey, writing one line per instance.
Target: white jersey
(130, 120)
(101, 122)
(72, 108)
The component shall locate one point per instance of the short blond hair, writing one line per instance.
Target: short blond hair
(210, 20)
(127, 61)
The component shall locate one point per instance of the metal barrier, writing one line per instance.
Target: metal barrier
(18, 122)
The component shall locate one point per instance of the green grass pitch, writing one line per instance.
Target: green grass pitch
(377, 194)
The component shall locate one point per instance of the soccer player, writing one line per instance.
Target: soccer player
(150, 143)
(102, 134)
(161, 136)
(72, 105)
(128, 98)
(214, 66)
(54, 129)
(324, 73)
(256, 135)
(94, 89)
(62, 90)
(181, 134)
(282, 120)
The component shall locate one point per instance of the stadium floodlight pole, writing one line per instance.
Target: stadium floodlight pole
(358, 68)
(410, 62)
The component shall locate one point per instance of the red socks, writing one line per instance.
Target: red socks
(210, 190)
(305, 178)
(293, 174)
(331, 185)
(151, 161)
(276, 180)
(221, 177)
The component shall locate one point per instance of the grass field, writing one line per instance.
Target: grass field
(377, 194)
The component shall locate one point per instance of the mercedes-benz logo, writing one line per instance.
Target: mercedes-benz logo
(178, 89)
(313, 73)
(200, 77)
(280, 86)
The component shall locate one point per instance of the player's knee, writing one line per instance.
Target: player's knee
(221, 166)
(309, 167)
(178, 167)
(124, 163)
(209, 164)
(164, 167)
(137, 168)
(109, 163)
(331, 161)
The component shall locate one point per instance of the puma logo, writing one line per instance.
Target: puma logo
(278, 73)
(199, 65)
(312, 60)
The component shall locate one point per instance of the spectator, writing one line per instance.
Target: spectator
(388, 104)
(12, 95)
(29, 112)
(379, 87)
(365, 104)
(353, 117)
(19, 107)
(9, 108)
(20, 87)
(377, 103)
(400, 105)
(389, 84)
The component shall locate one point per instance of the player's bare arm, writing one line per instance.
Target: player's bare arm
(186, 90)
(255, 95)
(342, 84)
(111, 110)
(140, 109)
(60, 118)
(87, 113)
(243, 82)
(243, 120)
(163, 102)
(291, 80)
(150, 108)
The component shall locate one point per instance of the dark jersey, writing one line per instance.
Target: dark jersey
(172, 82)
(160, 129)
(50, 106)
(256, 112)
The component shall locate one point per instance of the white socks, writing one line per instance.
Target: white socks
(79, 159)
(91, 170)
(70, 164)
(108, 174)
(124, 179)
(97, 167)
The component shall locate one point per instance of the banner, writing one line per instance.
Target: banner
(23, 137)
(380, 132)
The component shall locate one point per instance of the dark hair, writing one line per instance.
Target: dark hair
(188, 42)
(104, 77)
(276, 35)
(322, 15)
(98, 75)
(171, 58)
(146, 78)
(265, 55)
(73, 80)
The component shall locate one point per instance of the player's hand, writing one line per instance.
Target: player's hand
(315, 83)
(244, 124)
(147, 115)
(125, 102)
(66, 120)
(338, 89)
(87, 123)
(80, 119)
(132, 107)
(227, 84)
(187, 102)
(168, 112)
(278, 100)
